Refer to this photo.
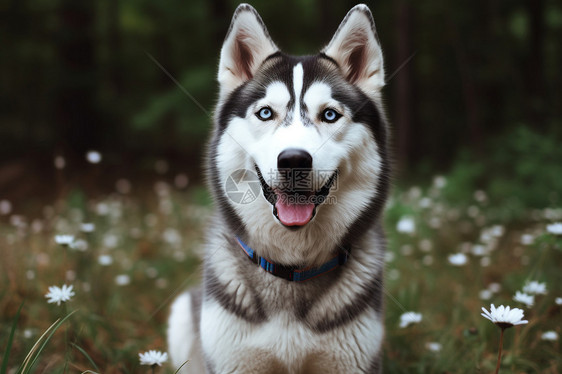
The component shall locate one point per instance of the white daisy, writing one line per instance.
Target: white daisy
(485, 294)
(122, 280)
(535, 288)
(480, 196)
(93, 157)
(410, 318)
(503, 316)
(105, 260)
(64, 239)
(527, 239)
(439, 181)
(495, 287)
(524, 298)
(58, 295)
(172, 236)
(427, 260)
(406, 225)
(485, 261)
(5, 207)
(102, 209)
(558, 301)
(433, 346)
(389, 256)
(425, 202)
(110, 241)
(87, 227)
(153, 357)
(479, 250)
(550, 335)
(555, 228)
(59, 162)
(79, 245)
(497, 231)
(458, 259)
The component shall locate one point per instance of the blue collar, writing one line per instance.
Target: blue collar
(291, 273)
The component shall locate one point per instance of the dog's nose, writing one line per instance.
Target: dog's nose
(293, 158)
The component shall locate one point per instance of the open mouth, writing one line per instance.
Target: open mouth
(295, 208)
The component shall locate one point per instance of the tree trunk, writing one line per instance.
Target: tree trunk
(535, 65)
(471, 91)
(219, 14)
(75, 112)
(402, 83)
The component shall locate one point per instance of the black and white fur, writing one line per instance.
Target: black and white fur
(244, 320)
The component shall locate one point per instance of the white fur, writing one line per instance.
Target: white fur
(182, 344)
(348, 147)
(344, 145)
(298, 81)
(292, 343)
(276, 96)
(357, 33)
(246, 29)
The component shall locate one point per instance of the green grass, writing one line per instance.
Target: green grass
(153, 240)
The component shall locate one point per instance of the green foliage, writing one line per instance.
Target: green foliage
(28, 364)
(457, 76)
(527, 166)
(420, 278)
(519, 24)
(180, 107)
(518, 170)
(90, 360)
(7, 350)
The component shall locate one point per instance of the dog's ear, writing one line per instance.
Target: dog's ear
(246, 46)
(356, 48)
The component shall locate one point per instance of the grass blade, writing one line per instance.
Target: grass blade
(4, 367)
(182, 365)
(34, 348)
(39, 346)
(81, 350)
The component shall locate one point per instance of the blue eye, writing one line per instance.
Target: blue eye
(265, 114)
(330, 116)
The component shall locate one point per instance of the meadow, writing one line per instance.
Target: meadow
(134, 249)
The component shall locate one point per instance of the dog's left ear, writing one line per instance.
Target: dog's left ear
(246, 46)
(356, 48)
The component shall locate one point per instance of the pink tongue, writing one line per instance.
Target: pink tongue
(293, 214)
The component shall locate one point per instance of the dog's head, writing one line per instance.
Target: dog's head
(299, 147)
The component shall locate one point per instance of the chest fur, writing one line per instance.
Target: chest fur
(283, 344)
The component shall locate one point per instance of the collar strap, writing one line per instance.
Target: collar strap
(291, 273)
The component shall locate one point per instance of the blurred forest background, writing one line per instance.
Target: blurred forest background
(474, 87)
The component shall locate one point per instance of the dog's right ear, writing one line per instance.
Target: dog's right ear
(246, 46)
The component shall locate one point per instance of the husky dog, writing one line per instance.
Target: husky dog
(293, 265)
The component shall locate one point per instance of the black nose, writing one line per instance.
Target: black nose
(293, 158)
